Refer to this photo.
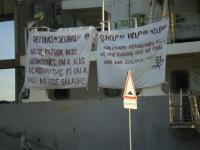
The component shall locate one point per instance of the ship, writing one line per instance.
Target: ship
(167, 116)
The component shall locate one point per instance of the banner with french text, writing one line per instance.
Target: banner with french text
(57, 60)
(142, 49)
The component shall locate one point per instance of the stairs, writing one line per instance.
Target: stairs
(195, 111)
(184, 111)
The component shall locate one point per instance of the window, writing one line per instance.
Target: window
(7, 84)
(7, 42)
(112, 92)
(7, 55)
(180, 80)
(58, 94)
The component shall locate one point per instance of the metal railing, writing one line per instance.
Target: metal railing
(184, 110)
(183, 27)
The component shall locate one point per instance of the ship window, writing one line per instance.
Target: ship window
(7, 38)
(7, 85)
(7, 61)
(59, 94)
(112, 92)
(180, 80)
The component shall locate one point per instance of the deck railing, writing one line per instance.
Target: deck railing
(184, 110)
(183, 27)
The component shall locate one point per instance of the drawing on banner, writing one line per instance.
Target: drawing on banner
(142, 49)
(57, 60)
(130, 97)
(158, 62)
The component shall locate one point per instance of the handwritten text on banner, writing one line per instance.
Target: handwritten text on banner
(58, 59)
(143, 50)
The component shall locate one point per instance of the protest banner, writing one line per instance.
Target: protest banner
(142, 49)
(57, 60)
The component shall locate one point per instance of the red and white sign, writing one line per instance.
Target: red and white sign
(130, 97)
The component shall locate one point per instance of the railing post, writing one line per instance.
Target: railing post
(136, 23)
(165, 3)
(181, 105)
(103, 18)
(108, 25)
(152, 9)
(170, 108)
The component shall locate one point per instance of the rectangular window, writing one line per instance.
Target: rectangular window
(7, 40)
(7, 84)
(7, 52)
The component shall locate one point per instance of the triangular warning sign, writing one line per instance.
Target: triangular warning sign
(129, 90)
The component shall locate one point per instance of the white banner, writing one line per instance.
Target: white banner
(143, 50)
(56, 60)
